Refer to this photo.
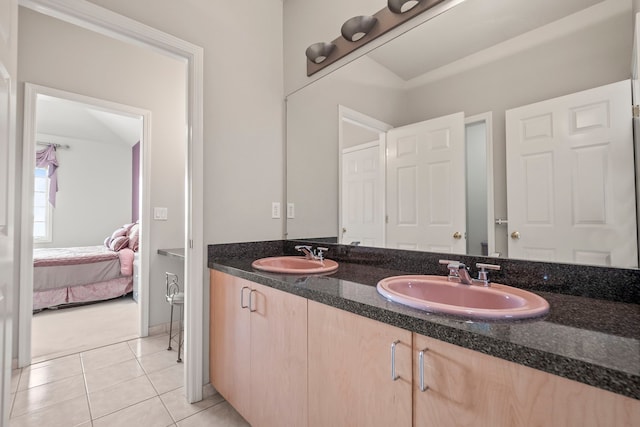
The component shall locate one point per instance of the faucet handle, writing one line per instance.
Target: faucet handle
(453, 266)
(483, 274)
(320, 252)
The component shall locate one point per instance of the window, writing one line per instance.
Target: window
(41, 207)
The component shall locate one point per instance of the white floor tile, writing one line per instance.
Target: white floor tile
(168, 379)
(50, 371)
(108, 376)
(179, 408)
(158, 361)
(49, 394)
(69, 413)
(219, 415)
(149, 345)
(105, 356)
(120, 396)
(149, 413)
(136, 382)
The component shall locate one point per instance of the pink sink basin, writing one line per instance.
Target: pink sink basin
(437, 294)
(294, 265)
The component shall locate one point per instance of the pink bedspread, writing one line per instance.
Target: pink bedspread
(47, 257)
(80, 274)
(43, 257)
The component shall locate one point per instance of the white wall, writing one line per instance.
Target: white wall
(94, 196)
(243, 111)
(243, 106)
(312, 130)
(55, 54)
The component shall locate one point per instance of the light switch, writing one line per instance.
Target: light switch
(275, 210)
(160, 214)
(291, 211)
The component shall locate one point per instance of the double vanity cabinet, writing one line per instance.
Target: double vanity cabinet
(284, 360)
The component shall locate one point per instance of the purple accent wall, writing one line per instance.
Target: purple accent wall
(135, 175)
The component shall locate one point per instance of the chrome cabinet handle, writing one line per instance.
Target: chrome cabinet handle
(251, 309)
(421, 362)
(242, 297)
(394, 377)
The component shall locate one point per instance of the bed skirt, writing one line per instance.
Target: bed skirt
(83, 293)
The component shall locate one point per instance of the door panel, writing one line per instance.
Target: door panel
(363, 195)
(570, 179)
(426, 185)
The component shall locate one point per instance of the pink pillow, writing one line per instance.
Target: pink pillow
(107, 241)
(119, 232)
(134, 237)
(128, 227)
(118, 243)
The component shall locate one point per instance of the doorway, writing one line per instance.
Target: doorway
(479, 185)
(105, 22)
(93, 138)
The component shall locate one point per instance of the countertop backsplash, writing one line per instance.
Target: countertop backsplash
(613, 284)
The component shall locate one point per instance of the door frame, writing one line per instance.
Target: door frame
(347, 115)
(95, 18)
(31, 93)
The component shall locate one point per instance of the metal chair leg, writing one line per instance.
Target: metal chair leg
(180, 333)
(170, 327)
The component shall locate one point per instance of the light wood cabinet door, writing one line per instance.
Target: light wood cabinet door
(350, 375)
(468, 388)
(229, 344)
(278, 358)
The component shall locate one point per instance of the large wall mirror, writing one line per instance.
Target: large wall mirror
(499, 127)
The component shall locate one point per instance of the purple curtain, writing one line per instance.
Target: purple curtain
(46, 158)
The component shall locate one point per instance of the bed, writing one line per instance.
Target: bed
(83, 274)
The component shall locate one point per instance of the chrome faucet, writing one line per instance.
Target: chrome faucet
(310, 253)
(459, 272)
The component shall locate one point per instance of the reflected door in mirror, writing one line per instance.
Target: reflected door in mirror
(426, 185)
(363, 195)
(570, 179)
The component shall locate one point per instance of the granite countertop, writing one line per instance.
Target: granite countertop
(593, 341)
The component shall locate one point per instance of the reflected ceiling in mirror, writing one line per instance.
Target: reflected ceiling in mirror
(482, 56)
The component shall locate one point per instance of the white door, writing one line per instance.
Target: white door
(8, 64)
(426, 186)
(570, 179)
(363, 195)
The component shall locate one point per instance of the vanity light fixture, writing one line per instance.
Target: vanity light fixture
(360, 30)
(357, 27)
(318, 52)
(401, 6)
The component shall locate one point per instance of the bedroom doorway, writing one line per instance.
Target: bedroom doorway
(104, 22)
(100, 149)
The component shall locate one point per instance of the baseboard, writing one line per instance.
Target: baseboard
(163, 328)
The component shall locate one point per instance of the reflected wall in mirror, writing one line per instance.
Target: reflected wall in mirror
(480, 57)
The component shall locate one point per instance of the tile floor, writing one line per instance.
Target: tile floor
(132, 383)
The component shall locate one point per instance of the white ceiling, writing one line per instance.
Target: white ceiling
(69, 119)
(467, 28)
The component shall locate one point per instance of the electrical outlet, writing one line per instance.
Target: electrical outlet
(291, 210)
(275, 210)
